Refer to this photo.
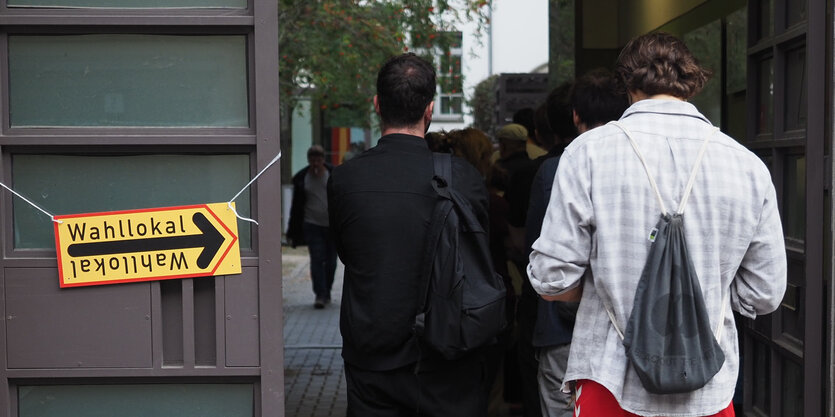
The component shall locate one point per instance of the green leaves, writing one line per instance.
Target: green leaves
(331, 50)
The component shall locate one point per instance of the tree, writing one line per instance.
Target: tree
(561, 45)
(483, 104)
(331, 50)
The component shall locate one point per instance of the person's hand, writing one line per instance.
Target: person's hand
(572, 295)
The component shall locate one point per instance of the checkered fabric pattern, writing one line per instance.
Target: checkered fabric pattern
(596, 229)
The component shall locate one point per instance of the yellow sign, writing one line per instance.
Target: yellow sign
(147, 245)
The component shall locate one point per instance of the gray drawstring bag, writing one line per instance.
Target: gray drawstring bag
(668, 339)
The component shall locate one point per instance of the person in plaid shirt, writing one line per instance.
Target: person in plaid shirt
(594, 239)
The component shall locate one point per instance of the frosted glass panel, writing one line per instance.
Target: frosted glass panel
(160, 400)
(128, 80)
(67, 184)
(794, 197)
(130, 4)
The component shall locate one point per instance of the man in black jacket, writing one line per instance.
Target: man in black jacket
(380, 207)
(309, 222)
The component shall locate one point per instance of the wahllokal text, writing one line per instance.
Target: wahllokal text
(126, 229)
(128, 264)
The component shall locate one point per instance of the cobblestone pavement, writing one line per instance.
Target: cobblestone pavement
(314, 377)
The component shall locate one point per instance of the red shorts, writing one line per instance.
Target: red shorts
(594, 400)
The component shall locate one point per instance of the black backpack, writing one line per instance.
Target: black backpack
(461, 304)
(669, 340)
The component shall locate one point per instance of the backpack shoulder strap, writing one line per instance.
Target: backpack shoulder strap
(694, 171)
(441, 180)
(443, 166)
(644, 163)
(690, 180)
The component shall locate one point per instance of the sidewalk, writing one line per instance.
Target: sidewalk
(314, 378)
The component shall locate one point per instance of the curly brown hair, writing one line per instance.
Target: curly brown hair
(660, 63)
(474, 146)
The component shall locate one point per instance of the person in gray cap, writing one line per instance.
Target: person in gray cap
(512, 137)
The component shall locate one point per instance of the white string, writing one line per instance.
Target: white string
(31, 203)
(693, 172)
(721, 326)
(229, 203)
(612, 319)
(644, 163)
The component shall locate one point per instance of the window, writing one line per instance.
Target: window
(450, 80)
(180, 400)
(66, 184)
(128, 80)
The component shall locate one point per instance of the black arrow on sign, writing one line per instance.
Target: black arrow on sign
(210, 240)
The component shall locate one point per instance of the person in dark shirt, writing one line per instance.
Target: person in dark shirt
(380, 206)
(593, 100)
(309, 223)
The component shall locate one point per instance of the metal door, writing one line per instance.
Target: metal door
(783, 352)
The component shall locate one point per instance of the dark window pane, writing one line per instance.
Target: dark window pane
(445, 68)
(762, 324)
(456, 105)
(793, 308)
(457, 84)
(452, 105)
(792, 383)
(737, 28)
(446, 105)
(64, 184)
(795, 117)
(451, 39)
(704, 43)
(761, 377)
(766, 21)
(161, 400)
(765, 96)
(450, 84)
(795, 12)
(128, 80)
(794, 197)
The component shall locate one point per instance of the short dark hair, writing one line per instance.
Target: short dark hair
(525, 117)
(405, 86)
(660, 63)
(559, 113)
(597, 99)
(542, 127)
(316, 150)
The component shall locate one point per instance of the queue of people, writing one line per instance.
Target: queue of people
(570, 209)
